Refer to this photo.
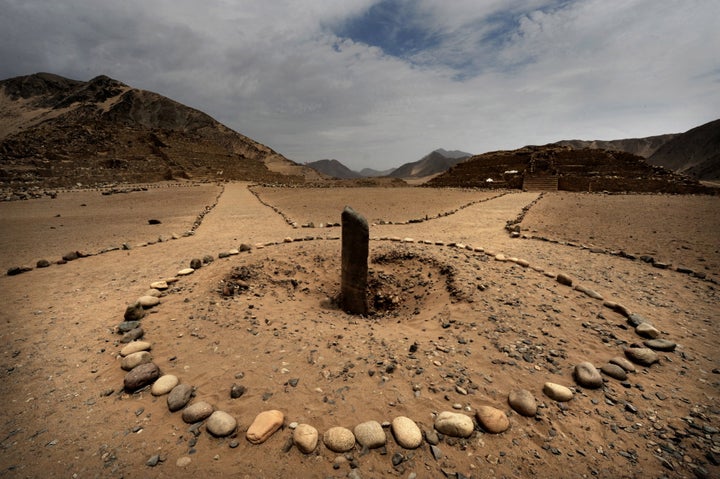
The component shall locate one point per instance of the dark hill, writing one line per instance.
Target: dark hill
(334, 169)
(644, 147)
(57, 132)
(695, 152)
(575, 170)
(433, 163)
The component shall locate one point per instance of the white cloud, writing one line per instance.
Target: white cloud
(502, 75)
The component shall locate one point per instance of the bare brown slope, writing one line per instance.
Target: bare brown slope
(695, 152)
(59, 132)
(644, 147)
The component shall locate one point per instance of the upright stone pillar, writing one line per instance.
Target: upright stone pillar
(353, 285)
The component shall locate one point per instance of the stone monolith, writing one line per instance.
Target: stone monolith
(353, 285)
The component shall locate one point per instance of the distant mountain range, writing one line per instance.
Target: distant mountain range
(433, 163)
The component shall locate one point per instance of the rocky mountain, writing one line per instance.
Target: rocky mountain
(433, 163)
(371, 173)
(695, 152)
(571, 170)
(644, 147)
(334, 169)
(58, 132)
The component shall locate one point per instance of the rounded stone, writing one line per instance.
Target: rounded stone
(196, 263)
(179, 397)
(134, 347)
(161, 285)
(623, 363)
(557, 392)
(407, 434)
(492, 420)
(523, 402)
(454, 424)
(148, 301)
(614, 371)
(153, 292)
(131, 361)
(339, 439)
(197, 412)
(305, 437)
(164, 384)
(134, 312)
(370, 434)
(264, 426)
(141, 376)
(221, 424)
(587, 376)
(564, 279)
(185, 271)
(642, 356)
(647, 330)
(660, 345)
(183, 461)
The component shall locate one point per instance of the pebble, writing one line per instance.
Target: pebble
(141, 376)
(647, 330)
(132, 335)
(406, 432)
(153, 292)
(523, 402)
(339, 439)
(179, 397)
(131, 361)
(305, 438)
(134, 312)
(185, 271)
(196, 263)
(237, 390)
(42, 263)
(587, 376)
(614, 371)
(642, 356)
(161, 285)
(564, 279)
(134, 347)
(264, 426)
(370, 434)
(500, 257)
(183, 461)
(454, 424)
(127, 326)
(636, 320)
(623, 363)
(492, 420)
(557, 392)
(148, 301)
(660, 345)
(221, 424)
(197, 411)
(164, 384)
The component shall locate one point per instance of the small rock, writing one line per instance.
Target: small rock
(454, 424)
(523, 402)
(587, 376)
(407, 434)
(557, 392)
(370, 434)
(647, 330)
(134, 312)
(183, 461)
(492, 420)
(153, 221)
(133, 335)
(636, 320)
(179, 397)
(126, 326)
(564, 279)
(185, 272)
(436, 452)
(196, 263)
(236, 391)
(148, 301)
(71, 256)
(305, 438)
(161, 285)
(141, 376)
(614, 371)
(153, 461)
(623, 363)
(131, 361)
(221, 424)
(164, 384)
(339, 439)
(397, 459)
(642, 356)
(264, 426)
(197, 411)
(43, 263)
(660, 345)
(134, 347)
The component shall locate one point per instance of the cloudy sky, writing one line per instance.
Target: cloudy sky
(380, 83)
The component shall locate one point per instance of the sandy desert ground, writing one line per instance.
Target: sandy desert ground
(457, 328)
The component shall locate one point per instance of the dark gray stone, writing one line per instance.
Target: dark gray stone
(196, 263)
(660, 344)
(141, 376)
(179, 397)
(355, 248)
(134, 312)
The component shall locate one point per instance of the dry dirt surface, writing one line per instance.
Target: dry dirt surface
(464, 314)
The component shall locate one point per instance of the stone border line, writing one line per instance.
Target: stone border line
(73, 255)
(142, 373)
(295, 224)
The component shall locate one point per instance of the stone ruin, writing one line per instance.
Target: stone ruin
(354, 276)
